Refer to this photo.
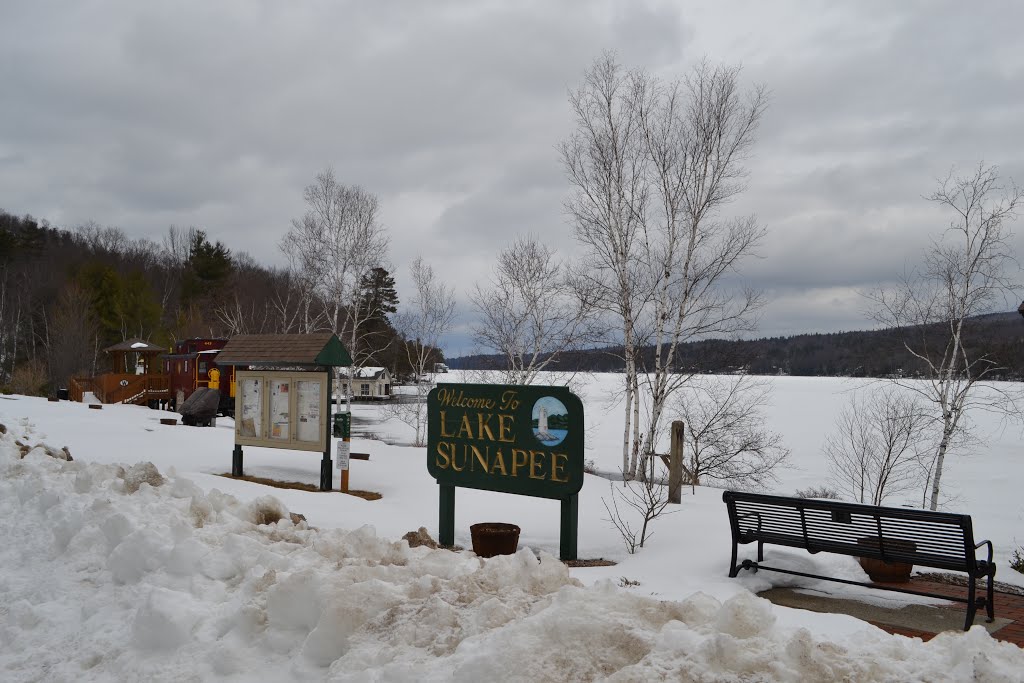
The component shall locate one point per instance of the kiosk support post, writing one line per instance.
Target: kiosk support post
(326, 476)
(236, 461)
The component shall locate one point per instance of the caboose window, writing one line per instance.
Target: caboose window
(186, 366)
(202, 367)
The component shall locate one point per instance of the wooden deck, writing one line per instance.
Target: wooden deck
(115, 387)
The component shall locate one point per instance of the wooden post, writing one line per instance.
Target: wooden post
(345, 465)
(675, 464)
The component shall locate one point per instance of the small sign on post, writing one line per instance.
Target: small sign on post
(342, 454)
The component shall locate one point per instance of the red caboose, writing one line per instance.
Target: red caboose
(193, 364)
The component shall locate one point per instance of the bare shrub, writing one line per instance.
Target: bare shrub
(817, 492)
(29, 379)
(727, 441)
(879, 444)
(646, 497)
(1017, 561)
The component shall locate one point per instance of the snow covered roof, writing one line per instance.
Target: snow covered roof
(370, 372)
(134, 344)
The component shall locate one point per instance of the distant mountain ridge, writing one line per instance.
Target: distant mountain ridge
(866, 353)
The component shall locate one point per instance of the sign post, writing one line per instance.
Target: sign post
(526, 440)
(343, 431)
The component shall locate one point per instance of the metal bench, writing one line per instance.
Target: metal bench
(939, 540)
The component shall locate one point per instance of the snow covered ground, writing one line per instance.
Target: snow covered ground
(110, 572)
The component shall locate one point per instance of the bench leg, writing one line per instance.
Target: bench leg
(971, 604)
(990, 605)
(760, 551)
(733, 569)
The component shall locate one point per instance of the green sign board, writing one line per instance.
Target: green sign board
(526, 440)
(342, 425)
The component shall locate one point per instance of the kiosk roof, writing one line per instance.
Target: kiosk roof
(319, 348)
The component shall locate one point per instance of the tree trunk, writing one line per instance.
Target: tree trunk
(940, 456)
(636, 427)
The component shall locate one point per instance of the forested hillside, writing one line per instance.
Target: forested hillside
(875, 353)
(65, 295)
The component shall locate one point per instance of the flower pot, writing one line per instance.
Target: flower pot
(880, 571)
(494, 538)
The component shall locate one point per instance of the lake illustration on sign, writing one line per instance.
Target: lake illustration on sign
(550, 421)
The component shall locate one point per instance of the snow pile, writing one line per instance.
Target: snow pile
(113, 573)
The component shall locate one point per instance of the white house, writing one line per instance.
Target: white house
(369, 384)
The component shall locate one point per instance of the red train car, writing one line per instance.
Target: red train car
(193, 364)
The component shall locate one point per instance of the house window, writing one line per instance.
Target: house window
(364, 389)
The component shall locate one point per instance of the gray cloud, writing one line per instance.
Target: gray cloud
(144, 115)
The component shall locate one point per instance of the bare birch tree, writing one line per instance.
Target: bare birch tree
(697, 134)
(965, 274)
(422, 324)
(530, 311)
(880, 445)
(335, 244)
(605, 165)
(653, 165)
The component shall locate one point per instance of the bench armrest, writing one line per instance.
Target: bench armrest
(989, 544)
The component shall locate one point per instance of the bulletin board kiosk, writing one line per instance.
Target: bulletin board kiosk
(283, 395)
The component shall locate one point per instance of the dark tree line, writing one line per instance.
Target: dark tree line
(65, 295)
(874, 353)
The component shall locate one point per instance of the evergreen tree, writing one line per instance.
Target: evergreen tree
(206, 272)
(377, 293)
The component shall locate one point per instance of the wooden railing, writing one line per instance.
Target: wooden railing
(78, 386)
(115, 387)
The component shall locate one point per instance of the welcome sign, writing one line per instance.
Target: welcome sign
(526, 440)
(517, 439)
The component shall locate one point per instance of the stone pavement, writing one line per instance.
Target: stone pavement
(917, 621)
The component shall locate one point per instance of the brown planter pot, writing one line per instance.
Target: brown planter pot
(494, 538)
(880, 571)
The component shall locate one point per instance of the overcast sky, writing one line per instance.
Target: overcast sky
(216, 114)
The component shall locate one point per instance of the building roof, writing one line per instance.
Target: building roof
(370, 372)
(319, 348)
(134, 344)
